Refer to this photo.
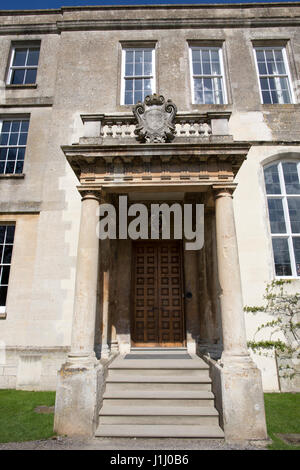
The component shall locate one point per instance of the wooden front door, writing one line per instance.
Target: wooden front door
(158, 318)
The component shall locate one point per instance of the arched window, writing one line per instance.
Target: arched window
(283, 193)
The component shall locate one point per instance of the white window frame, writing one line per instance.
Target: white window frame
(4, 307)
(222, 76)
(287, 70)
(289, 235)
(15, 118)
(123, 79)
(28, 45)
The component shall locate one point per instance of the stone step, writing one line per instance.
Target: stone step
(158, 415)
(140, 372)
(159, 364)
(160, 430)
(160, 398)
(156, 385)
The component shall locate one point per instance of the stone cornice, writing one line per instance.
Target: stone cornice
(203, 16)
(137, 24)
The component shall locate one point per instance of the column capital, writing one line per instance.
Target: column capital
(223, 191)
(91, 193)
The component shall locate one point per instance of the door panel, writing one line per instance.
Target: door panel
(158, 318)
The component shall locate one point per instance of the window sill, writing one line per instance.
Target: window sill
(13, 87)
(282, 107)
(12, 176)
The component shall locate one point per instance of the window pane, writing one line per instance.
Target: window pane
(138, 84)
(129, 70)
(266, 96)
(33, 57)
(262, 68)
(197, 69)
(129, 57)
(4, 138)
(272, 180)
(291, 178)
(281, 257)
(128, 85)
(138, 69)
(3, 153)
(30, 76)
(10, 167)
(21, 153)
(12, 153)
(206, 68)
(19, 57)
(128, 97)
(296, 245)
(18, 77)
(148, 56)
(147, 85)
(138, 96)
(2, 234)
(15, 126)
(5, 274)
(147, 68)
(7, 254)
(3, 294)
(13, 138)
(276, 216)
(294, 211)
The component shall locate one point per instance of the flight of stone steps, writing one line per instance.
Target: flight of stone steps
(159, 394)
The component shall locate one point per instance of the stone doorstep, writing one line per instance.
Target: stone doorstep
(159, 430)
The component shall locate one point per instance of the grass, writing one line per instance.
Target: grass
(283, 417)
(18, 420)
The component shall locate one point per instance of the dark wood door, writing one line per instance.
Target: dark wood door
(158, 318)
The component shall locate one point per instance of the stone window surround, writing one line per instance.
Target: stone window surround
(287, 71)
(20, 44)
(216, 44)
(123, 46)
(16, 117)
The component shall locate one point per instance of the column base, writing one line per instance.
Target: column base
(242, 400)
(78, 398)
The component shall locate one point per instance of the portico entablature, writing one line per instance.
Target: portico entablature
(167, 164)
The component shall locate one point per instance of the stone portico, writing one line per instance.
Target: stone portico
(195, 161)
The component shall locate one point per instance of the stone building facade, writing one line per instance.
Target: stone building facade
(70, 141)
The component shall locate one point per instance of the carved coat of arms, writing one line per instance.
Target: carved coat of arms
(156, 119)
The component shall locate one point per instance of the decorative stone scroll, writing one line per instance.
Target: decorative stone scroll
(156, 119)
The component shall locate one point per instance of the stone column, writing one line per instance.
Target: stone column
(105, 248)
(80, 379)
(241, 385)
(233, 323)
(84, 316)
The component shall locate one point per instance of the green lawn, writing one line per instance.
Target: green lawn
(283, 417)
(18, 420)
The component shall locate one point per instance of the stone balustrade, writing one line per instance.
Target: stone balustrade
(105, 128)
